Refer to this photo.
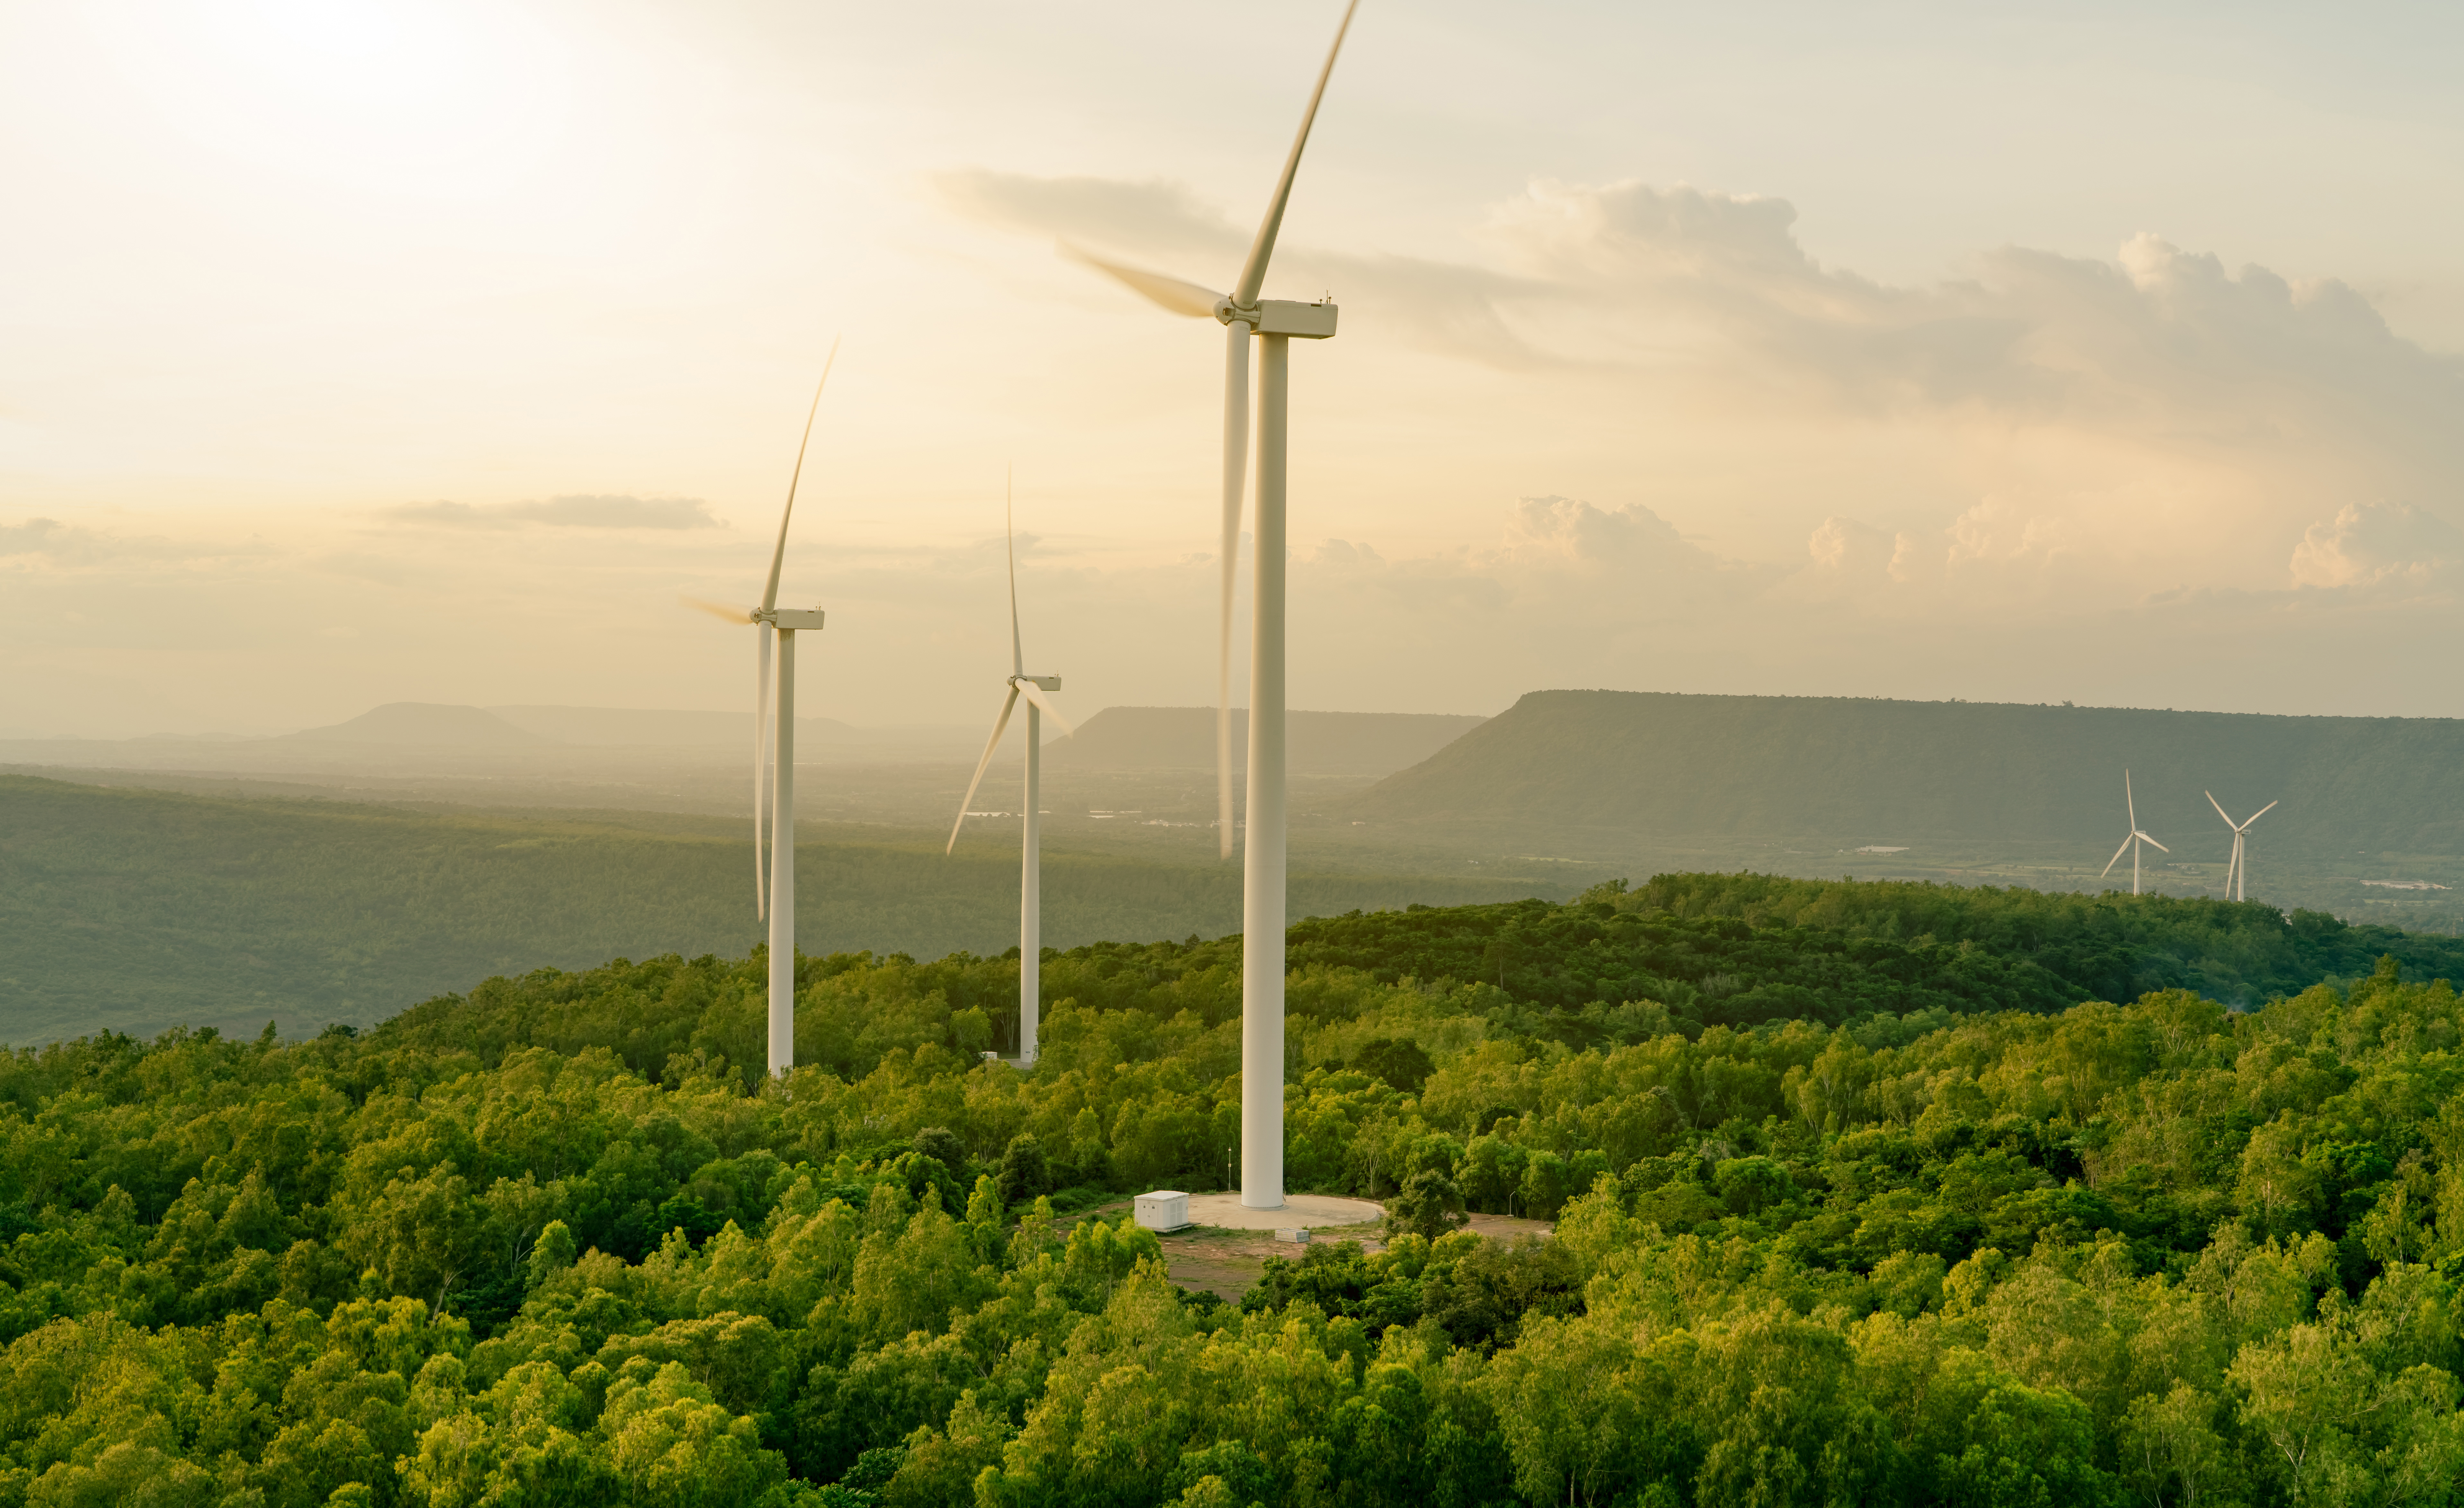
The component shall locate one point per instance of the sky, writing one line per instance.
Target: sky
(353, 353)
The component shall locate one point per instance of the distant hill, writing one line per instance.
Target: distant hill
(1366, 744)
(434, 724)
(654, 728)
(1888, 773)
(424, 722)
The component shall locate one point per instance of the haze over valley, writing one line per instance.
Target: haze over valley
(482, 813)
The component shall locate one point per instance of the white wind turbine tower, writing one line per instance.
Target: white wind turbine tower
(1037, 691)
(1274, 323)
(774, 762)
(2131, 805)
(2237, 873)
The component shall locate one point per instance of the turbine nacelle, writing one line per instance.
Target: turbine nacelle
(789, 619)
(1048, 682)
(1303, 321)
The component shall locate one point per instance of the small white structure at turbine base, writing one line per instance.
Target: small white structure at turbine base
(1164, 1209)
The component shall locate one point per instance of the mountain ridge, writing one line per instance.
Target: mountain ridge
(1883, 771)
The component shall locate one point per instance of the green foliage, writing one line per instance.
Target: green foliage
(1026, 1172)
(2110, 946)
(551, 1244)
(1427, 1206)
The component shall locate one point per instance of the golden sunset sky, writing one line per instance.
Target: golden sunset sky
(353, 353)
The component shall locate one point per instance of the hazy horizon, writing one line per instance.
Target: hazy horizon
(432, 353)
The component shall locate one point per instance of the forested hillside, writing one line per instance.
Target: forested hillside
(549, 1243)
(1862, 771)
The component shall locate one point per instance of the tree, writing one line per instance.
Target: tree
(1024, 1174)
(674, 1448)
(1428, 1205)
(1401, 1063)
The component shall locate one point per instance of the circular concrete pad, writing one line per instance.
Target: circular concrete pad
(1300, 1212)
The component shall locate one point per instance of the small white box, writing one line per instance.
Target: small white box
(1164, 1209)
(1300, 1235)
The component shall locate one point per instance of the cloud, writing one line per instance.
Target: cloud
(2153, 422)
(1849, 559)
(50, 537)
(2039, 317)
(2374, 544)
(579, 511)
(2158, 347)
(1563, 534)
(71, 546)
(1850, 549)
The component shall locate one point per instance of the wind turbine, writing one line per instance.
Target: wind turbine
(1275, 323)
(2135, 836)
(773, 763)
(2237, 873)
(1037, 691)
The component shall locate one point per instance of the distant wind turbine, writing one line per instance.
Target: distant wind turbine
(1037, 691)
(1274, 323)
(2237, 873)
(2131, 805)
(774, 763)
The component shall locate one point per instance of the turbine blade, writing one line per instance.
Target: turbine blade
(2117, 856)
(1036, 693)
(779, 555)
(2129, 801)
(716, 609)
(2262, 811)
(1236, 483)
(2144, 839)
(1174, 295)
(1253, 272)
(1009, 530)
(2220, 809)
(761, 768)
(1000, 724)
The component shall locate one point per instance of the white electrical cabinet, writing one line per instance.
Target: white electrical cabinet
(1164, 1209)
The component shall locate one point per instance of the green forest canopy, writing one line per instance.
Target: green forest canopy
(1952, 1238)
